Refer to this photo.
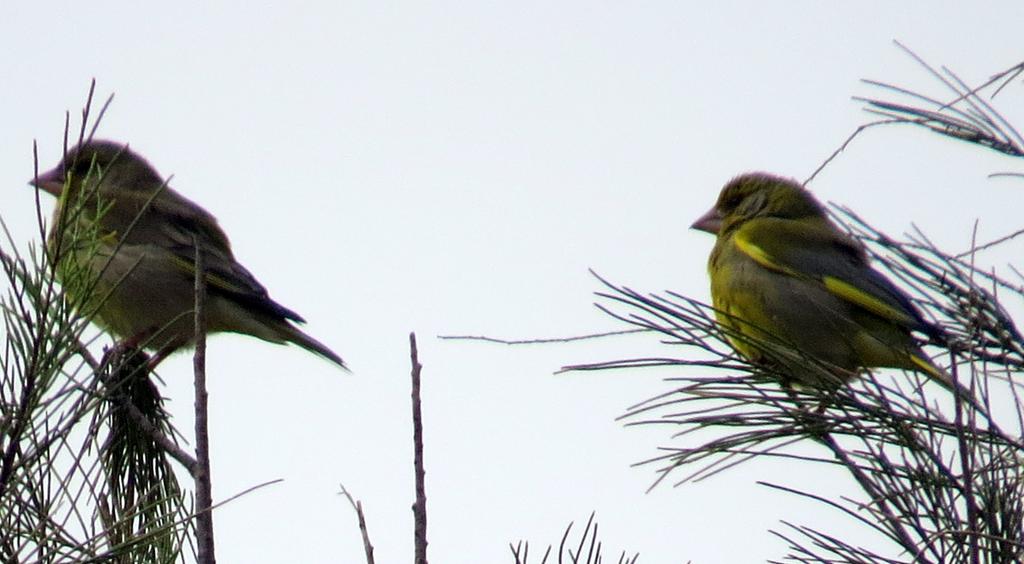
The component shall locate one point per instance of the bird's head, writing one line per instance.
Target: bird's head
(98, 165)
(758, 195)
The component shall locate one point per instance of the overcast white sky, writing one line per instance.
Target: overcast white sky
(387, 167)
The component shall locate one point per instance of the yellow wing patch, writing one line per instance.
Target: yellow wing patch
(836, 286)
(933, 371)
(211, 279)
(759, 255)
(855, 295)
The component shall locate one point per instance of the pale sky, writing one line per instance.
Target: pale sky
(455, 168)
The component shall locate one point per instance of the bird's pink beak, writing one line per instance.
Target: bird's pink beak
(710, 222)
(51, 182)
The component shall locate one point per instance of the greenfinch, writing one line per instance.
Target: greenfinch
(782, 273)
(139, 262)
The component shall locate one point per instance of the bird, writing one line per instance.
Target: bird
(783, 274)
(126, 244)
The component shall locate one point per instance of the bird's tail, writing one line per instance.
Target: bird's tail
(293, 334)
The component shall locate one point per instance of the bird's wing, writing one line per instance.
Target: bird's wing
(817, 251)
(173, 222)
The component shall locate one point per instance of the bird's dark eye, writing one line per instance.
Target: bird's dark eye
(81, 168)
(732, 201)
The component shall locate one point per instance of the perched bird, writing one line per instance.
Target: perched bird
(126, 246)
(782, 273)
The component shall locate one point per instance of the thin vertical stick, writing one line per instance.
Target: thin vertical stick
(419, 508)
(358, 506)
(204, 493)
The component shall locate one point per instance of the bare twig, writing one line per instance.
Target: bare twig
(572, 339)
(842, 147)
(358, 507)
(967, 116)
(204, 492)
(588, 550)
(419, 507)
(993, 243)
